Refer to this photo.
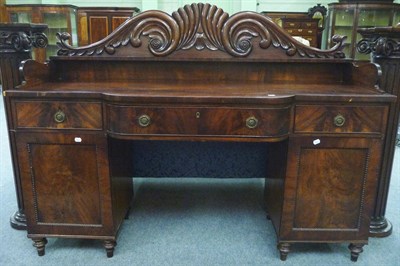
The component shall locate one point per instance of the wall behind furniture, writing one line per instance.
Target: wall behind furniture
(171, 5)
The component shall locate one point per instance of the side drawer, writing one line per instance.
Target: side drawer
(340, 119)
(301, 32)
(263, 122)
(58, 115)
(291, 24)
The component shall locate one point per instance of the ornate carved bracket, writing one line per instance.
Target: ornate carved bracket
(380, 41)
(202, 26)
(22, 37)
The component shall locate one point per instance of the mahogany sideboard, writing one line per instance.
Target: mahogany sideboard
(199, 75)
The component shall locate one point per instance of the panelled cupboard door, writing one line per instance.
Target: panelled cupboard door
(330, 188)
(65, 182)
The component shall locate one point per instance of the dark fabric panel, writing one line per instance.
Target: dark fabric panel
(199, 159)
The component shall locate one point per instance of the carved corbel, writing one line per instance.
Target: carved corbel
(384, 44)
(22, 40)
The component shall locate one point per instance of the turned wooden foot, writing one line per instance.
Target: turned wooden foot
(40, 244)
(109, 246)
(355, 250)
(284, 249)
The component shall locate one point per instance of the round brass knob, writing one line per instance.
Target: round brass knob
(339, 120)
(59, 116)
(144, 120)
(251, 122)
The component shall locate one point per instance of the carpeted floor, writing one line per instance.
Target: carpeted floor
(191, 222)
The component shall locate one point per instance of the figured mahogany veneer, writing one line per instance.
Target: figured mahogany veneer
(268, 122)
(340, 119)
(58, 115)
(199, 75)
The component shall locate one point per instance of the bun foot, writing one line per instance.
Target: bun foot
(284, 249)
(109, 246)
(355, 250)
(40, 244)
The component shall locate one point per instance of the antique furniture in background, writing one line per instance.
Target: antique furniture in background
(95, 23)
(308, 25)
(58, 18)
(306, 28)
(3, 13)
(199, 75)
(298, 24)
(345, 18)
(16, 43)
(383, 43)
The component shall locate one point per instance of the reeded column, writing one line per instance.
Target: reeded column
(16, 42)
(383, 43)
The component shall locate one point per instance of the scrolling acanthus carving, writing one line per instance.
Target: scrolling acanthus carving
(380, 41)
(380, 46)
(200, 26)
(21, 41)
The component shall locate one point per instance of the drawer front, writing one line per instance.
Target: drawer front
(291, 24)
(198, 121)
(301, 32)
(58, 115)
(309, 25)
(340, 119)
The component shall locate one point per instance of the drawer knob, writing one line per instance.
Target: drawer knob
(251, 122)
(59, 116)
(339, 120)
(144, 120)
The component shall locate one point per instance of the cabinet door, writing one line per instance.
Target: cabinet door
(117, 20)
(98, 27)
(330, 188)
(65, 182)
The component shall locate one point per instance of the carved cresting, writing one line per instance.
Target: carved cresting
(200, 26)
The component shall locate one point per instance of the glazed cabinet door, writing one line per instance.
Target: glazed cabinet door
(66, 184)
(329, 189)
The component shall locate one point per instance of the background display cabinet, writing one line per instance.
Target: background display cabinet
(95, 23)
(307, 25)
(345, 18)
(59, 18)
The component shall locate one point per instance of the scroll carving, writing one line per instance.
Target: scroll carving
(22, 41)
(380, 46)
(202, 26)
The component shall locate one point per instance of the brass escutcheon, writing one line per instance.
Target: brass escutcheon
(251, 122)
(144, 120)
(339, 120)
(59, 116)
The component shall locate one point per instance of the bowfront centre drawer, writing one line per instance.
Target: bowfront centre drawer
(268, 122)
(340, 119)
(58, 115)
